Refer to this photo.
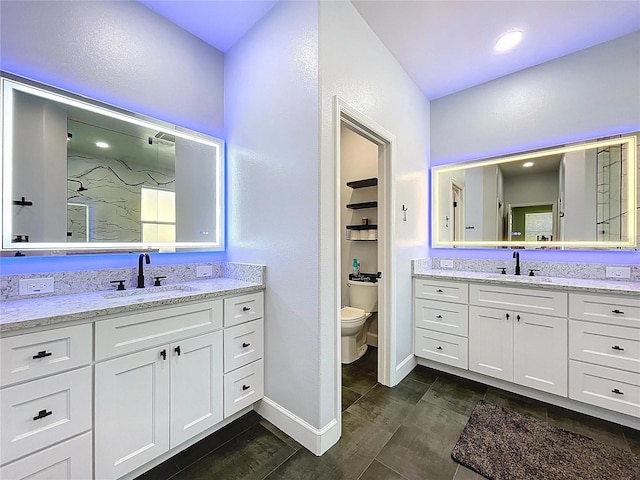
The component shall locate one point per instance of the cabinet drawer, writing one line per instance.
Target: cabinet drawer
(130, 333)
(25, 357)
(607, 345)
(441, 347)
(243, 344)
(529, 300)
(619, 310)
(42, 412)
(449, 291)
(243, 309)
(605, 387)
(70, 460)
(242, 387)
(445, 317)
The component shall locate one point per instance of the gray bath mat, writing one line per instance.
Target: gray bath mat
(501, 444)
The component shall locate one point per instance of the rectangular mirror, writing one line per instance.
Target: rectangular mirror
(577, 196)
(81, 175)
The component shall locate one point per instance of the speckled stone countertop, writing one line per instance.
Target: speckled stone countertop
(550, 283)
(48, 311)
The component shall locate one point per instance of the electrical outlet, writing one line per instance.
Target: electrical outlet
(618, 272)
(446, 263)
(32, 286)
(204, 271)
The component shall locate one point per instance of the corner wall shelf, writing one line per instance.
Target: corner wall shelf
(367, 182)
(359, 205)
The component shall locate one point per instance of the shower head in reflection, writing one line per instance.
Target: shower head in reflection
(81, 188)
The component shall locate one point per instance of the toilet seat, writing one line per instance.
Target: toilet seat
(351, 315)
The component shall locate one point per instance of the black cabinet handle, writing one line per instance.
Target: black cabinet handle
(616, 347)
(42, 354)
(245, 387)
(245, 345)
(246, 309)
(438, 316)
(439, 291)
(615, 390)
(438, 347)
(163, 354)
(617, 311)
(177, 350)
(518, 317)
(42, 414)
(507, 315)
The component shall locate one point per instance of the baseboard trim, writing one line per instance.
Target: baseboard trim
(372, 339)
(317, 441)
(403, 369)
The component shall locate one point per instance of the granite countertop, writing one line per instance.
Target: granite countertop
(47, 311)
(551, 283)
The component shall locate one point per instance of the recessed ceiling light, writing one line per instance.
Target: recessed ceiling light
(527, 164)
(102, 145)
(508, 41)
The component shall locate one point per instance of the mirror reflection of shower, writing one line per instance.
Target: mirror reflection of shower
(610, 212)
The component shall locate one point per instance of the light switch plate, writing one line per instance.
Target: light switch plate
(33, 286)
(446, 263)
(204, 271)
(618, 272)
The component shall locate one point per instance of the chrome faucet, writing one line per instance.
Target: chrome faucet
(140, 268)
(516, 255)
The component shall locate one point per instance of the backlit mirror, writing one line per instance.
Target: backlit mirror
(577, 196)
(81, 175)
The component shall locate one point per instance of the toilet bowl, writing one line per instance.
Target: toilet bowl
(363, 298)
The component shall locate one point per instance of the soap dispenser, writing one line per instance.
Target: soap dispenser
(356, 267)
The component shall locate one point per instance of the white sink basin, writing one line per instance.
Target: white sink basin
(148, 294)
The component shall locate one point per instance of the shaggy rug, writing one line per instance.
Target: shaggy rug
(501, 444)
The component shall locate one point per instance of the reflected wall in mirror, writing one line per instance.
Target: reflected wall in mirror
(80, 175)
(578, 196)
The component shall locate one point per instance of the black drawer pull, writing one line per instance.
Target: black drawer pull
(616, 347)
(245, 345)
(42, 354)
(507, 315)
(246, 309)
(177, 350)
(438, 316)
(245, 387)
(615, 390)
(617, 311)
(438, 347)
(163, 354)
(439, 291)
(42, 414)
(518, 317)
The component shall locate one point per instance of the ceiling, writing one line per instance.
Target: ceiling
(444, 45)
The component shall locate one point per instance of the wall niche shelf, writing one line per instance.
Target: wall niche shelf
(362, 227)
(359, 205)
(367, 182)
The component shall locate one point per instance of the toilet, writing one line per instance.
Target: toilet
(363, 301)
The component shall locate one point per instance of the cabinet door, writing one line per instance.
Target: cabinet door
(491, 342)
(196, 386)
(131, 411)
(540, 352)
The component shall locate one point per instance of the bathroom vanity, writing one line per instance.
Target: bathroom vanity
(570, 342)
(108, 385)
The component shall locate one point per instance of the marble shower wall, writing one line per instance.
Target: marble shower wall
(112, 196)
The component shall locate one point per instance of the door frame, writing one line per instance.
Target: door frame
(385, 140)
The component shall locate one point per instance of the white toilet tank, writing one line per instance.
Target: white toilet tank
(363, 295)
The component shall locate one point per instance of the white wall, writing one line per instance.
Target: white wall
(580, 190)
(532, 189)
(121, 53)
(272, 133)
(573, 98)
(357, 67)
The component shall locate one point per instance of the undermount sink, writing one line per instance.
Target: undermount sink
(150, 293)
(520, 278)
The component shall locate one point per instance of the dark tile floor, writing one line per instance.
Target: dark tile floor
(401, 433)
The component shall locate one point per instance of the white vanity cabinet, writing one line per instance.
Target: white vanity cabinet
(45, 404)
(604, 351)
(152, 400)
(440, 314)
(243, 352)
(519, 335)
